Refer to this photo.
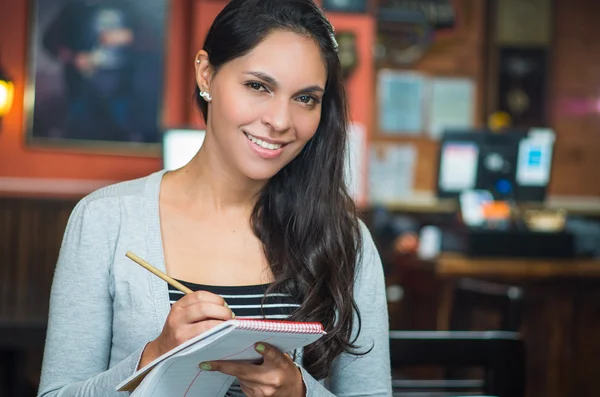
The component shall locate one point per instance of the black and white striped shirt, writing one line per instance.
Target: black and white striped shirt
(248, 301)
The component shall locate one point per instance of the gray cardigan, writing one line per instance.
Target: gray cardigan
(104, 308)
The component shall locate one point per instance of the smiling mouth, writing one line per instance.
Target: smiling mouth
(263, 144)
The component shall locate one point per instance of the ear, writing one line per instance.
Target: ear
(203, 70)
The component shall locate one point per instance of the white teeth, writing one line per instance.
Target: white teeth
(263, 144)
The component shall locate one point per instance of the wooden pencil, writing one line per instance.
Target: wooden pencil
(158, 273)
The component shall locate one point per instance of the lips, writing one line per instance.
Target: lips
(263, 144)
(265, 150)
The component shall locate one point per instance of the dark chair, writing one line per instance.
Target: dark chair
(471, 294)
(481, 306)
(16, 339)
(499, 353)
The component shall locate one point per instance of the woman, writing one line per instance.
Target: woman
(261, 211)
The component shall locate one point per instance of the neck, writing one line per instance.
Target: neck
(209, 181)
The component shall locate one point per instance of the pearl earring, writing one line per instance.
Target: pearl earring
(206, 96)
(197, 61)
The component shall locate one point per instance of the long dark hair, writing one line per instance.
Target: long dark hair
(304, 216)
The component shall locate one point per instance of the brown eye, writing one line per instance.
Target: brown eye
(256, 86)
(308, 100)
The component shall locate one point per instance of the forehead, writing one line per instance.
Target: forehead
(290, 58)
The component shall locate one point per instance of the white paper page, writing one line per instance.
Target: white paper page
(355, 161)
(174, 379)
(391, 172)
(458, 167)
(197, 342)
(179, 374)
(401, 102)
(452, 104)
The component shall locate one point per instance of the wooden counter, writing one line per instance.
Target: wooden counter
(455, 265)
(561, 316)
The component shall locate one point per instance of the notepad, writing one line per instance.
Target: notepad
(176, 373)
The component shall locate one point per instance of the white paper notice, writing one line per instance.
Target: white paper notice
(458, 166)
(452, 105)
(391, 172)
(401, 98)
(356, 162)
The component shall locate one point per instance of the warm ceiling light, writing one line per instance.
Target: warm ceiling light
(7, 93)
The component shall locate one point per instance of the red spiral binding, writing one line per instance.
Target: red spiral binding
(281, 326)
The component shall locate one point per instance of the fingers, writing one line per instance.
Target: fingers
(190, 316)
(174, 335)
(271, 355)
(205, 311)
(200, 296)
(238, 369)
(201, 305)
(259, 379)
(272, 358)
(277, 375)
(203, 326)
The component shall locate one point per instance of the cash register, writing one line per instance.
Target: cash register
(500, 181)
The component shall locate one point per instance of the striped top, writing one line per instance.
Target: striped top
(248, 301)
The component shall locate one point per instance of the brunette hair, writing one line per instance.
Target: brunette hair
(304, 216)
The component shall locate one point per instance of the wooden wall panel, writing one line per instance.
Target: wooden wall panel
(575, 98)
(573, 90)
(459, 53)
(31, 232)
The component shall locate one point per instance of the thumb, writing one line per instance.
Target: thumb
(269, 353)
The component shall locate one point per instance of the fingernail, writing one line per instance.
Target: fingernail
(260, 348)
(226, 305)
(232, 315)
(205, 367)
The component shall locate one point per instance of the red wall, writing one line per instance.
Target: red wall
(360, 85)
(22, 167)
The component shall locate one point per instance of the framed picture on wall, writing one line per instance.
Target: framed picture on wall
(357, 6)
(95, 78)
(522, 85)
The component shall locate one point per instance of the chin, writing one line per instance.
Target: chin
(262, 170)
(260, 175)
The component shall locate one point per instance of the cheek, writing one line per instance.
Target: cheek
(307, 125)
(228, 109)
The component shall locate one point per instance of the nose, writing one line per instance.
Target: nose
(277, 115)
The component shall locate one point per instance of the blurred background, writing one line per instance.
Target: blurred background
(474, 157)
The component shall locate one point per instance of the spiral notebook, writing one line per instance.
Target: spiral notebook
(176, 373)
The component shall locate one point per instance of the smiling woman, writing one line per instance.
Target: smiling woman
(271, 95)
(261, 207)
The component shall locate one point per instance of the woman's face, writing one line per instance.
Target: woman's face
(265, 105)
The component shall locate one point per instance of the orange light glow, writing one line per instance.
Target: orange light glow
(7, 93)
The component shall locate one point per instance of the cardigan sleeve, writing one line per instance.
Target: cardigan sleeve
(78, 341)
(369, 374)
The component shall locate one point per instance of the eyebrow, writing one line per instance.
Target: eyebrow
(272, 81)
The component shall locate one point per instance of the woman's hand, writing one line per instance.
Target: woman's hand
(276, 376)
(190, 316)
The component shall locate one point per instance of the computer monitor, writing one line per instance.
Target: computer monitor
(179, 146)
(510, 165)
